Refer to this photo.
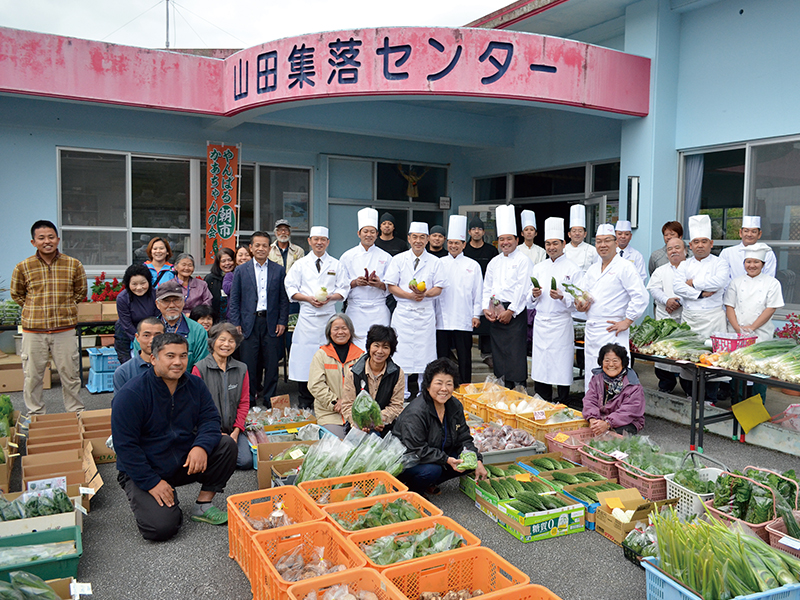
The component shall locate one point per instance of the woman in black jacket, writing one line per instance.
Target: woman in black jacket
(434, 428)
(224, 263)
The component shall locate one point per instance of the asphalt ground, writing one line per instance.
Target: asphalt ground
(195, 564)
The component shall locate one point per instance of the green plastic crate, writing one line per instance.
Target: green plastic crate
(51, 568)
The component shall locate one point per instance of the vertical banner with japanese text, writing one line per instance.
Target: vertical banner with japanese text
(221, 199)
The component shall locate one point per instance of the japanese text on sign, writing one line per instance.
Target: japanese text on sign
(221, 199)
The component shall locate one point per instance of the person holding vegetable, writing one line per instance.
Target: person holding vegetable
(329, 369)
(434, 428)
(504, 302)
(615, 398)
(365, 267)
(553, 336)
(135, 302)
(317, 282)
(613, 299)
(378, 374)
(229, 384)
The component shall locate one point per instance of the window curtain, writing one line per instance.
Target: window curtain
(693, 187)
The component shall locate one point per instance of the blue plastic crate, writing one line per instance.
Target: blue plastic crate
(100, 382)
(103, 360)
(662, 587)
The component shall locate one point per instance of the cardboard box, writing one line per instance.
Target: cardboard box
(33, 524)
(89, 311)
(607, 525)
(101, 453)
(532, 518)
(279, 467)
(61, 586)
(551, 524)
(12, 377)
(591, 508)
(5, 472)
(57, 419)
(55, 446)
(477, 490)
(77, 466)
(108, 311)
(41, 435)
(264, 459)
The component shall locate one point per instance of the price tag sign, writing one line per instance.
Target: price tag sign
(615, 503)
(538, 415)
(80, 589)
(619, 455)
(292, 430)
(79, 507)
(522, 477)
(295, 454)
(561, 437)
(791, 542)
(86, 490)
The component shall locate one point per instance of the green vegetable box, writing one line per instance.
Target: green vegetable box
(543, 525)
(68, 517)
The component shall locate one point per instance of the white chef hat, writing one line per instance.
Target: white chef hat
(457, 228)
(417, 227)
(318, 231)
(605, 229)
(528, 218)
(506, 220)
(758, 251)
(367, 217)
(554, 228)
(751, 222)
(699, 227)
(577, 216)
(622, 225)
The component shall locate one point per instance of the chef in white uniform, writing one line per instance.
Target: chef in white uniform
(414, 319)
(364, 267)
(505, 295)
(618, 298)
(750, 233)
(579, 252)
(317, 283)
(628, 252)
(535, 253)
(752, 299)
(668, 306)
(553, 336)
(458, 307)
(700, 281)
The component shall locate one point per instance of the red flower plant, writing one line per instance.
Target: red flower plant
(103, 291)
(792, 328)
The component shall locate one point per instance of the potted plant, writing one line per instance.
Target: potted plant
(790, 331)
(104, 291)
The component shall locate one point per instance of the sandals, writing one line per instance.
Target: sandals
(213, 516)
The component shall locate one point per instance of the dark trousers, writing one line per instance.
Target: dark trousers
(631, 429)
(122, 344)
(259, 351)
(545, 390)
(462, 342)
(508, 350)
(306, 398)
(159, 523)
(421, 477)
(666, 380)
(484, 341)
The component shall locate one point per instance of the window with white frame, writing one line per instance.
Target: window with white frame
(755, 178)
(113, 203)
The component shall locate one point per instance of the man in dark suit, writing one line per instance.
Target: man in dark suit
(259, 307)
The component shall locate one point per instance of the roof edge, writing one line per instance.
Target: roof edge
(513, 13)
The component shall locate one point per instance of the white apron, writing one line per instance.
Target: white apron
(365, 316)
(706, 322)
(553, 349)
(308, 337)
(415, 324)
(596, 337)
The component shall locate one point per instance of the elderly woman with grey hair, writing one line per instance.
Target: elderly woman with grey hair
(328, 368)
(226, 379)
(195, 290)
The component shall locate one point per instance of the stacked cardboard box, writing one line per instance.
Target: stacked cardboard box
(12, 376)
(97, 430)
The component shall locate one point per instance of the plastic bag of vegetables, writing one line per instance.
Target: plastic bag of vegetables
(366, 413)
(469, 460)
(31, 587)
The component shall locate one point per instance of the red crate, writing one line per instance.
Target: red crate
(569, 451)
(607, 467)
(653, 487)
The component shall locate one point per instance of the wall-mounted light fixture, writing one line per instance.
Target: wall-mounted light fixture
(633, 200)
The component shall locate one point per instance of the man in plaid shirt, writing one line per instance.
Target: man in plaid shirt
(48, 286)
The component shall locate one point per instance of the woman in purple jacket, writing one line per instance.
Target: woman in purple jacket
(135, 302)
(615, 399)
(195, 290)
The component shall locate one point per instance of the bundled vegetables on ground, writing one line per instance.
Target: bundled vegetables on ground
(41, 503)
(359, 452)
(718, 562)
(341, 592)
(294, 567)
(640, 454)
(690, 479)
(752, 359)
(35, 552)
(651, 330)
(366, 413)
(26, 586)
(642, 540)
(382, 514)
(394, 548)
(293, 453)
(490, 438)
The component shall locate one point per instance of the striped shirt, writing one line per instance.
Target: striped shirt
(48, 293)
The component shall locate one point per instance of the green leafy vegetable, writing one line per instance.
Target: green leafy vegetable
(366, 413)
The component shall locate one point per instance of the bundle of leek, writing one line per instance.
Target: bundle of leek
(753, 358)
(719, 563)
(786, 366)
(671, 344)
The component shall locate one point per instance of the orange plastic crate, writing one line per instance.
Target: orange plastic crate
(350, 511)
(297, 506)
(471, 568)
(365, 538)
(356, 580)
(272, 544)
(653, 487)
(525, 592)
(325, 489)
(540, 430)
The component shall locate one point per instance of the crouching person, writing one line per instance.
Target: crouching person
(166, 432)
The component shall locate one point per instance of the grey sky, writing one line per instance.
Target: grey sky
(229, 23)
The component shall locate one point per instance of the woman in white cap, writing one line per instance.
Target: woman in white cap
(582, 254)
(535, 253)
(458, 308)
(553, 336)
(317, 283)
(617, 298)
(628, 252)
(505, 294)
(415, 278)
(750, 233)
(364, 267)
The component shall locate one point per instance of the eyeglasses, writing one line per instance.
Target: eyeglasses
(170, 300)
